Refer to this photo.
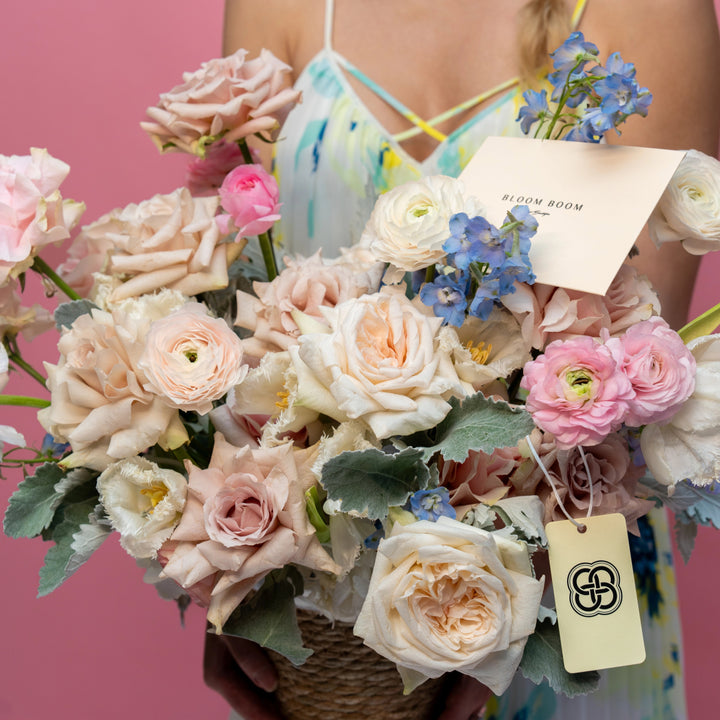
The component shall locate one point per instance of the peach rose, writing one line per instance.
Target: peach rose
(167, 241)
(380, 363)
(305, 285)
(547, 313)
(32, 211)
(244, 516)
(447, 596)
(98, 403)
(191, 359)
(228, 97)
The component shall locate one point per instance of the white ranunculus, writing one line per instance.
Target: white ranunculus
(380, 364)
(144, 503)
(688, 446)
(445, 596)
(410, 223)
(689, 209)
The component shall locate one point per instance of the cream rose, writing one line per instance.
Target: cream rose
(192, 359)
(689, 210)
(245, 516)
(410, 223)
(230, 97)
(144, 503)
(98, 403)
(380, 363)
(446, 596)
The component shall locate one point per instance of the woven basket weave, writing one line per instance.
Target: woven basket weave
(345, 680)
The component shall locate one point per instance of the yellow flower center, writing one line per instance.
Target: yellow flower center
(282, 402)
(480, 353)
(155, 493)
(580, 382)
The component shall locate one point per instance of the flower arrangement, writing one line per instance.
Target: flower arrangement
(378, 437)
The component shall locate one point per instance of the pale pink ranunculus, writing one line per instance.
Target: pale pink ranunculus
(305, 285)
(191, 359)
(547, 313)
(98, 403)
(577, 391)
(249, 196)
(228, 97)
(15, 318)
(244, 516)
(168, 241)
(660, 368)
(206, 175)
(613, 476)
(445, 596)
(32, 211)
(380, 363)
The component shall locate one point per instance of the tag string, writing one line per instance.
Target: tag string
(580, 526)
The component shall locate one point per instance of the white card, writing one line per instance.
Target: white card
(591, 201)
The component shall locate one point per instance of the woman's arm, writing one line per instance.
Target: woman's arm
(676, 50)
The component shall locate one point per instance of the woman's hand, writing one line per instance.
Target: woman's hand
(242, 673)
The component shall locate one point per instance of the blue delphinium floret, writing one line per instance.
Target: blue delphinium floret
(474, 240)
(535, 110)
(571, 57)
(447, 298)
(432, 504)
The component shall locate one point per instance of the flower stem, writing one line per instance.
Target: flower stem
(41, 267)
(245, 150)
(23, 401)
(17, 359)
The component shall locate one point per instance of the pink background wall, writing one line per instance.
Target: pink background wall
(77, 76)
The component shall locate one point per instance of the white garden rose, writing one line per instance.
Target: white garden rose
(410, 223)
(689, 209)
(144, 503)
(445, 596)
(688, 446)
(380, 364)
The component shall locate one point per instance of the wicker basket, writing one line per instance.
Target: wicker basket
(345, 680)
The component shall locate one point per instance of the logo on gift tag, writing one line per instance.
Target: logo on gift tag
(594, 588)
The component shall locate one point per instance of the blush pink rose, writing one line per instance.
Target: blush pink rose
(249, 194)
(661, 370)
(228, 97)
(577, 391)
(306, 285)
(244, 516)
(192, 359)
(32, 211)
(206, 175)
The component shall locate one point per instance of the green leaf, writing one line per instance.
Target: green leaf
(479, 423)
(62, 560)
(543, 659)
(67, 313)
(270, 618)
(685, 535)
(701, 325)
(33, 505)
(371, 481)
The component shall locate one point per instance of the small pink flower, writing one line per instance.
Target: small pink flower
(660, 368)
(578, 391)
(250, 195)
(206, 175)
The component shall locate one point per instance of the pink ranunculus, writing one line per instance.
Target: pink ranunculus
(577, 391)
(192, 359)
(547, 313)
(249, 194)
(230, 97)
(306, 285)
(613, 477)
(660, 368)
(32, 211)
(14, 318)
(206, 175)
(244, 516)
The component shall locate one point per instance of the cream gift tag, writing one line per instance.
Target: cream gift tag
(595, 596)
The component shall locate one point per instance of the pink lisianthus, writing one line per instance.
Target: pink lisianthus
(206, 175)
(249, 194)
(661, 370)
(32, 211)
(577, 391)
(230, 97)
(244, 516)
